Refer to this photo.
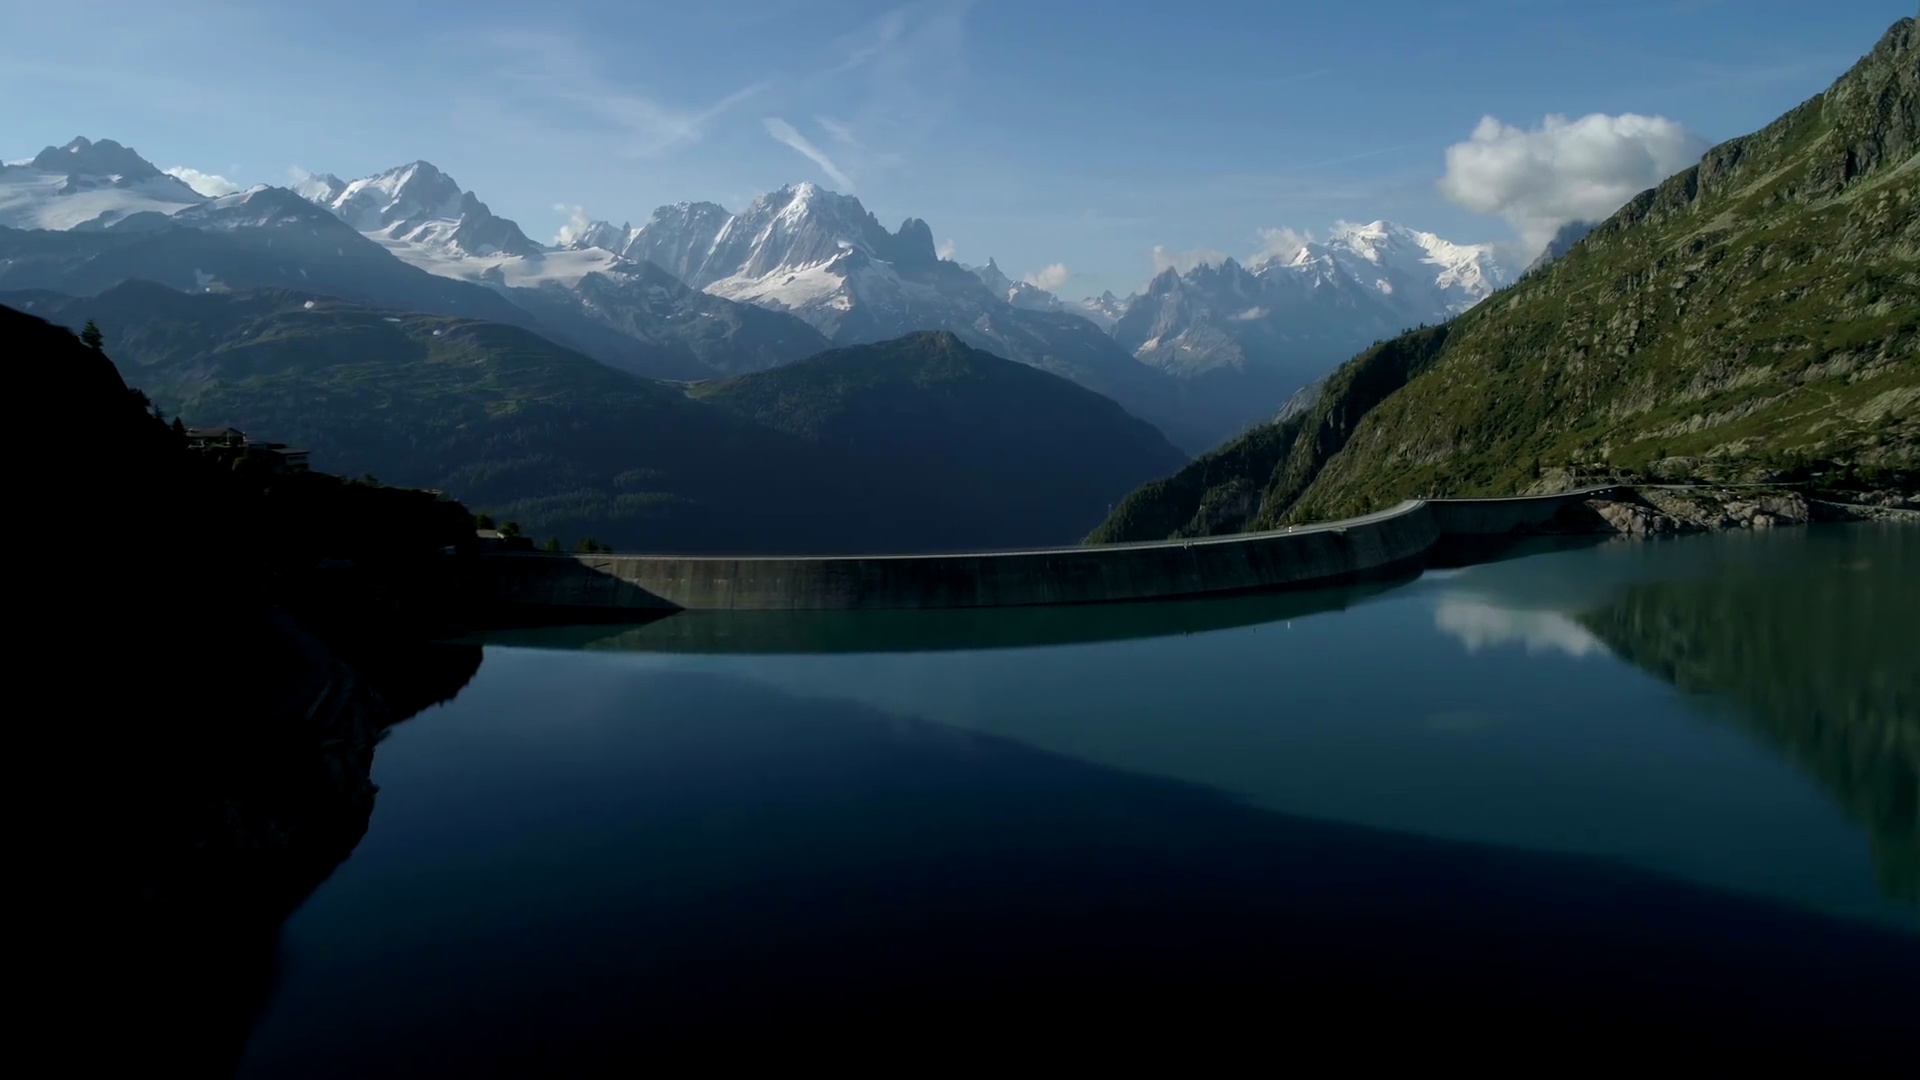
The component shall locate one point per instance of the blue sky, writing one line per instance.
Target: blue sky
(1076, 134)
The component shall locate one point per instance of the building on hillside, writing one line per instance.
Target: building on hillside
(278, 457)
(204, 438)
(270, 456)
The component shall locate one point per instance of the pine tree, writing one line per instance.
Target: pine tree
(179, 428)
(90, 337)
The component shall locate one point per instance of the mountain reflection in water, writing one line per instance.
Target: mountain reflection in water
(1381, 817)
(1818, 658)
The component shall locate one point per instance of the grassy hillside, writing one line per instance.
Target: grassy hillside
(526, 430)
(999, 438)
(1754, 317)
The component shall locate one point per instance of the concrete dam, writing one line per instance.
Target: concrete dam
(601, 587)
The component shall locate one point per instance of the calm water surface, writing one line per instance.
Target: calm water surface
(1541, 777)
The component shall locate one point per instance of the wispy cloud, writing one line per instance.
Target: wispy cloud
(785, 133)
(945, 250)
(1281, 243)
(205, 183)
(904, 69)
(840, 132)
(548, 79)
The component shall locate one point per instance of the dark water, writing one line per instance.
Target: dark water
(1628, 793)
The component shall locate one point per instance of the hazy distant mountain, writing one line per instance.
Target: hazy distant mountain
(262, 237)
(1200, 354)
(1563, 241)
(86, 183)
(1020, 294)
(620, 310)
(1104, 310)
(1001, 440)
(823, 257)
(1245, 338)
(418, 204)
(1301, 311)
(914, 444)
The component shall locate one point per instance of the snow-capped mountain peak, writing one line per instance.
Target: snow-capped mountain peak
(1103, 310)
(1424, 275)
(84, 157)
(1021, 294)
(416, 204)
(320, 188)
(678, 238)
(87, 183)
(602, 234)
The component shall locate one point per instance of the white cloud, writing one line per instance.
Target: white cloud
(1564, 170)
(785, 133)
(1049, 277)
(945, 250)
(1481, 625)
(1184, 261)
(576, 224)
(1281, 243)
(205, 183)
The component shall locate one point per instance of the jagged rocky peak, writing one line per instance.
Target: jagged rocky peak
(604, 235)
(375, 201)
(994, 278)
(85, 157)
(1225, 271)
(914, 242)
(1165, 282)
(678, 238)
(257, 206)
(318, 187)
(798, 226)
(416, 202)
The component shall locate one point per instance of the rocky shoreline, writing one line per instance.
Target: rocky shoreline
(1663, 511)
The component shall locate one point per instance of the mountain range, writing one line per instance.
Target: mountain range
(916, 444)
(698, 292)
(1235, 342)
(1752, 318)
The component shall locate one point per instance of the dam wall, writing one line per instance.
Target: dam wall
(1331, 553)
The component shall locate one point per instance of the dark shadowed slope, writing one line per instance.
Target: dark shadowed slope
(1000, 440)
(527, 430)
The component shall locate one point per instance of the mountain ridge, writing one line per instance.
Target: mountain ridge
(1740, 320)
(516, 425)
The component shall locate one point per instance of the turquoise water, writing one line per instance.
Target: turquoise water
(711, 814)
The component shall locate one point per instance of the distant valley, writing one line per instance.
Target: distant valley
(916, 444)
